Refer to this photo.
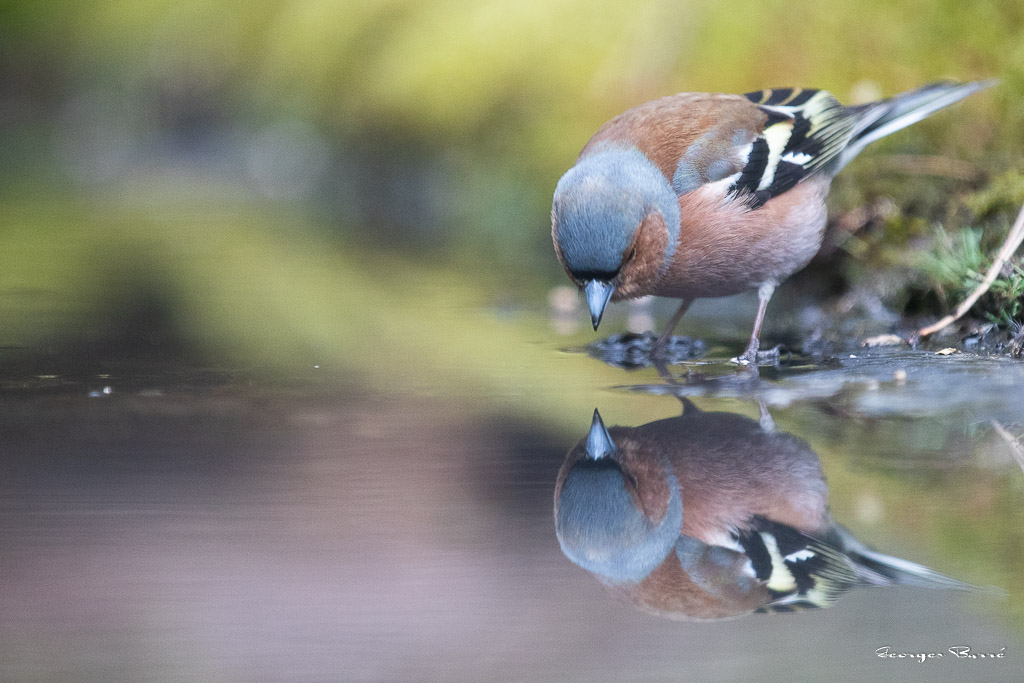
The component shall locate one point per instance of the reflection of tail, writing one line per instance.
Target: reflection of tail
(802, 571)
(875, 569)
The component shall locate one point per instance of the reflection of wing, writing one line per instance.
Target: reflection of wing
(721, 572)
(799, 570)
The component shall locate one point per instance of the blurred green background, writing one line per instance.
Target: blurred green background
(280, 182)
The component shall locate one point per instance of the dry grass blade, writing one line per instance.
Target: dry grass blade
(1016, 447)
(1013, 240)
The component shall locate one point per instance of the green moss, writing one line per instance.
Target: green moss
(1004, 194)
(956, 265)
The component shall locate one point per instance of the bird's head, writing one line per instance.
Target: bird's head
(615, 225)
(616, 515)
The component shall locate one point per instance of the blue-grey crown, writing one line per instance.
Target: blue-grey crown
(600, 202)
(600, 528)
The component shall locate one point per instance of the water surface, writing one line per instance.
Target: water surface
(168, 521)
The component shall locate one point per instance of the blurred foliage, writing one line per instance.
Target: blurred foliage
(1004, 194)
(437, 130)
(443, 126)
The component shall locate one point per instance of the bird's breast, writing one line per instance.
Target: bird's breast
(726, 248)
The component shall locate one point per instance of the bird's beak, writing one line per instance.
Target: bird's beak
(598, 293)
(599, 441)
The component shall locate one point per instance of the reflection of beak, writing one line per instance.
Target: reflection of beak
(598, 293)
(599, 441)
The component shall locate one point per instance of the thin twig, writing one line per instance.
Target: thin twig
(1013, 240)
(1016, 447)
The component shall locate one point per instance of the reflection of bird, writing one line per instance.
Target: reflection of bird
(711, 515)
(704, 195)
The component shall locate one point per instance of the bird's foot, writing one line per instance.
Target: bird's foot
(660, 348)
(754, 356)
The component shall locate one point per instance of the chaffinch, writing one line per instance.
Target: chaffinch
(706, 195)
(712, 515)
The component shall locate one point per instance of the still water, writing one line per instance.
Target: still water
(166, 521)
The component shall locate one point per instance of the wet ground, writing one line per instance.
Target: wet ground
(168, 521)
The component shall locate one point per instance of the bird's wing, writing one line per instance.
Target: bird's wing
(799, 570)
(755, 146)
(803, 132)
(759, 145)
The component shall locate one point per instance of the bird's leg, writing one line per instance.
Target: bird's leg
(766, 421)
(764, 295)
(662, 368)
(659, 346)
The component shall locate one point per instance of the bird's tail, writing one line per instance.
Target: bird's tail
(878, 119)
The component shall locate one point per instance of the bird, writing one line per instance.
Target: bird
(707, 194)
(712, 515)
